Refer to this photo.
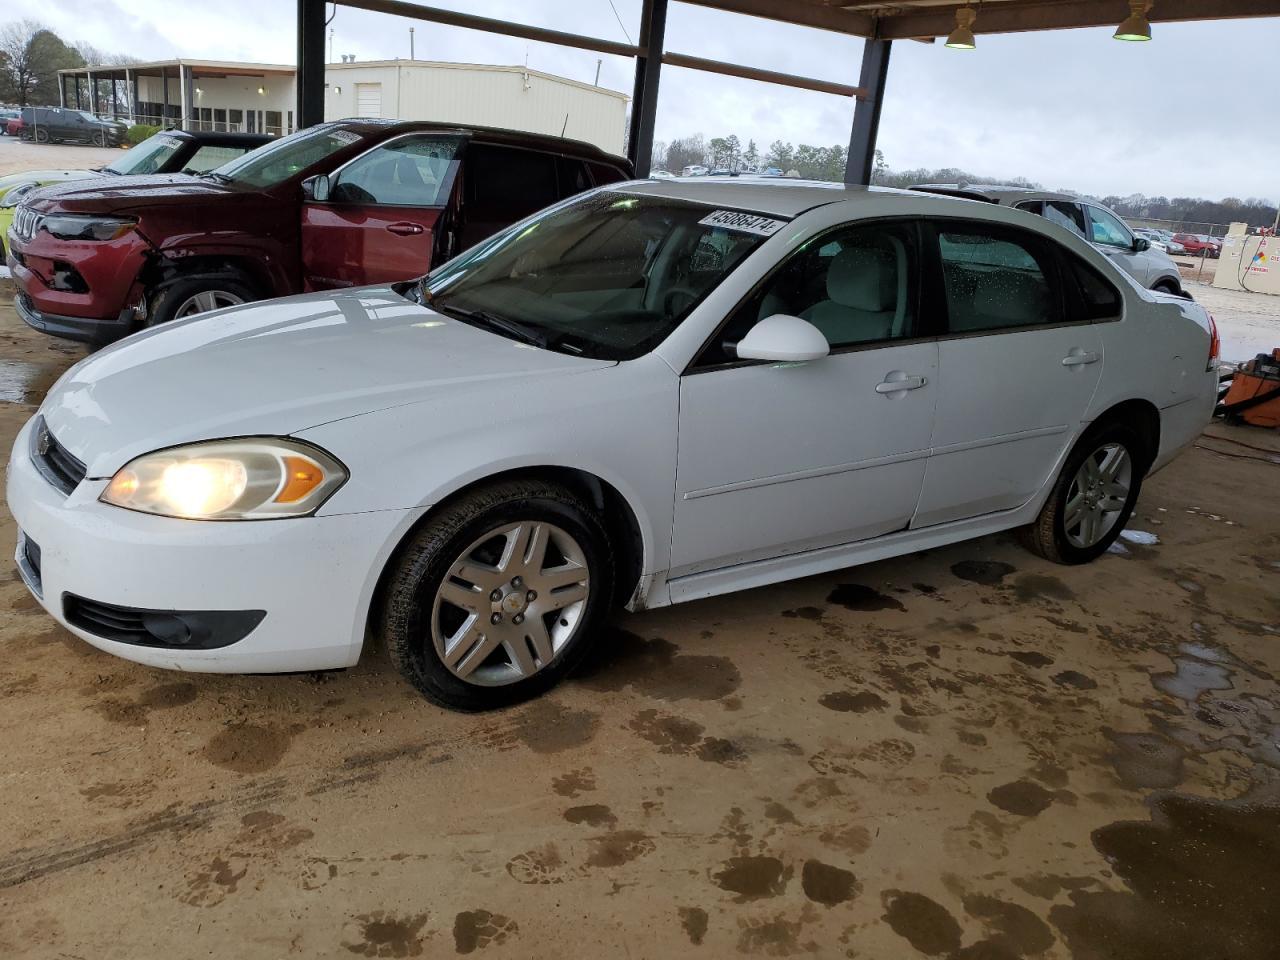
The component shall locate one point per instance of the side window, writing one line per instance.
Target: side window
(996, 278)
(409, 172)
(1099, 300)
(1108, 230)
(1032, 206)
(856, 284)
(210, 158)
(506, 184)
(571, 176)
(603, 173)
(1066, 214)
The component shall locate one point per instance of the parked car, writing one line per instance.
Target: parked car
(14, 127)
(660, 174)
(694, 170)
(1147, 264)
(173, 151)
(1160, 240)
(1198, 243)
(659, 391)
(61, 124)
(337, 205)
(5, 117)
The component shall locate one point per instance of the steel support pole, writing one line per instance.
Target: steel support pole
(861, 162)
(310, 63)
(644, 100)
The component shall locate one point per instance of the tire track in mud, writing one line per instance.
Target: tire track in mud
(511, 731)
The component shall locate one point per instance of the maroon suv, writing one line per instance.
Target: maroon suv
(341, 204)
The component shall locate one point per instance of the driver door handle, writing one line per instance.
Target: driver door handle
(405, 229)
(1077, 358)
(899, 382)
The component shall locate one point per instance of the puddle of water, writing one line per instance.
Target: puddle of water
(22, 382)
(1140, 537)
(1191, 678)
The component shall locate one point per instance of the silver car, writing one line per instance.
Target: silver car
(1135, 255)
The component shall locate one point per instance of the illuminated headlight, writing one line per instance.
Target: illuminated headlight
(253, 479)
(70, 226)
(13, 196)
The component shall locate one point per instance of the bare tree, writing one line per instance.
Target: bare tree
(19, 66)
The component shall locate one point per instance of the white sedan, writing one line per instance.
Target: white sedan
(651, 393)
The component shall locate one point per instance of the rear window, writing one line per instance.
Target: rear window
(996, 279)
(1099, 299)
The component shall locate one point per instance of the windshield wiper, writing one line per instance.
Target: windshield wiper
(491, 321)
(115, 173)
(215, 175)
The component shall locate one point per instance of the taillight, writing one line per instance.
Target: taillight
(1215, 344)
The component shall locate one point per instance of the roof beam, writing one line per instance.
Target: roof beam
(1017, 17)
(754, 73)
(452, 18)
(800, 12)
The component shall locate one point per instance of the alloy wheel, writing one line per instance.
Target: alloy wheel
(206, 300)
(1097, 495)
(510, 603)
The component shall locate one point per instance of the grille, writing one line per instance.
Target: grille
(53, 460)
(173, 629)
(107, 620)
(25, 222)
(29, 564)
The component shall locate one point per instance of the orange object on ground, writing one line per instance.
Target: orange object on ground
(1254, 396)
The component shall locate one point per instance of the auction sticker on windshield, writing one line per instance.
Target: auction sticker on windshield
(746, 222)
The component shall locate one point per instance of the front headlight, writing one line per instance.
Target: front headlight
(13, 196)
(252, 479)
(72, 226)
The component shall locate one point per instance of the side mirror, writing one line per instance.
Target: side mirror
(785, 338)
(1140, 244)
(316, 188)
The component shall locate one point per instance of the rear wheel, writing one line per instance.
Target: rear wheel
(196, 295)
(496, 600)
(1093, 497)
(41, 136)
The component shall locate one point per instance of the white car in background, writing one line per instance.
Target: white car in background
(1160, 241)
(1135, 255)
(694, 170)
(651, 393)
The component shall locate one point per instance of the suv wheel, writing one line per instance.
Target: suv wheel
(498, 598)
(100, 139)
(1093, 497)
(196, 295)
(41, 136)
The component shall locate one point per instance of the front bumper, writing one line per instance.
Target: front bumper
(96, 332)
(313, 576)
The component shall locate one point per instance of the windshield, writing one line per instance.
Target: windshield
(147, 157)
(276, 162)
(608, 275)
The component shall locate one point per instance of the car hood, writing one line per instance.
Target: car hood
(109, 194)
(280, 367)
(44, 177)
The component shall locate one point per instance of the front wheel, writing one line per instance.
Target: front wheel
(41, 136)
(498, 598)
(99, 139)
(1093, 497)
(196, 295)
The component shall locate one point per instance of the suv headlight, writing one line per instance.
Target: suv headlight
(13, 196)
(252, 479)
(72, 226)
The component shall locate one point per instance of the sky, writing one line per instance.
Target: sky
(1192, 113)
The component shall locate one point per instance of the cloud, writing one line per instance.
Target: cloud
(1187, 114)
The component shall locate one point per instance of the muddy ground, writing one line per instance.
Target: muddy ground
(967, 753)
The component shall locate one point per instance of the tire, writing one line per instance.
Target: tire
(418, 621)
(99, 139)
(1168, 286)
(41, 136)
(176, 300)
(1053, 535)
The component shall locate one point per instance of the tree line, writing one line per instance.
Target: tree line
(31, 56)
(828, 163)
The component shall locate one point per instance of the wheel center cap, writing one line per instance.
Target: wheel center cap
(514, 602)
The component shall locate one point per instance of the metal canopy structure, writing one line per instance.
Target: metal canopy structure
(877, 22)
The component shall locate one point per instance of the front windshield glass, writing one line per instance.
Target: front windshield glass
(274, 163)
(608, 275)
(147, 157)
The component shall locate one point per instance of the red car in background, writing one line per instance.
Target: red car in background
(337, 205)
(13, 126)
(1196, 243)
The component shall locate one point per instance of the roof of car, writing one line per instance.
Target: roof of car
(992, 192)
(541, 141)
(220, 139)
(779, 196)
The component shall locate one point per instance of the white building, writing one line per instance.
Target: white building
(262, 97)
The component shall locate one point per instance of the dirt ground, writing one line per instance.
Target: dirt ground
(966, 753)
(17, 156)
(1248, 322)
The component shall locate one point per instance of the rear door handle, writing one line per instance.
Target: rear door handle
(898, 382)
(1079, 357)
(405, 229)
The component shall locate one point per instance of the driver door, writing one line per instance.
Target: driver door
(381, 219)
(780, 458)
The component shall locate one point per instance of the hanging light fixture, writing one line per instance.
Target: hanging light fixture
(961, 37)
(1135, 26)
